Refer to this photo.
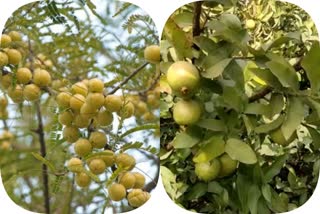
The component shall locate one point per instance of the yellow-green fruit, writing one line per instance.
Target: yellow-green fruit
(97, 166)
(127, 110)
(75, 165)
(57, 84)
(277, 137)
(14, 56)
(187, 112)
(15, 36)
(88, 111)
(104, 118)
(117, 192)
(4, 114)
(79, 88)
(153, 100)
(48, 63)
(127, 180)
(71, 134)
(4, 59)
(5, 40)
(148, 116)
(125, 161)
(63, 99)
(137, 197)
(228, 165)
(108, 157)
(82, 179)
(7, 135)
(76, 102)
(113, 103)
(82, 147)
(65, 118)
(141, 108)
(5, 146)
(41, 77)
(3, 102)
(208, 171)
(96, 85)
(96, 100)
(98, 139)
(152, 54)
(250, 24)
(80, 121)
(6, 81)
(140, 180)
(183, 78)
(16, 93)
(31, 92)
(24, 75)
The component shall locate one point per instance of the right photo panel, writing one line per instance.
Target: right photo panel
(240, 107)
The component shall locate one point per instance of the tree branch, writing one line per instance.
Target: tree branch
(196, 30)
(260, 94)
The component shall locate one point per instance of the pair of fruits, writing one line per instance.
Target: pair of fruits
(6, 139)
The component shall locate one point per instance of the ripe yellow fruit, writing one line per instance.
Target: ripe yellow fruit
(96, 100)
(108, 157)
(75, 165)
(127, 179)
(104, 118)
(41, 77)
(65, 118)
(250, 24)
(15, 36)
(127, 110)
(88, 111)
(14, 56)
(148, 116)
(152, 54)
(187, 112)
(141, 108)
(48, 63)
(228, 165)
(96, 85)
(79, 88)
(4, 59)
(113, 103)
(57, 84)
(137, 197)
(76, 102)
(81, 121)
(117, 192)
(140, 180)
(98, 139)
(153, 100)
(7, 135)
(82, 179)
(70, 134)
(24, 75)
(63, 99)
(207, 171)
(125, 161)
(97, 166)
(31, 92)
(16, 93)
(5, 146)
(5, 40)
(82, 147)
(3, 102)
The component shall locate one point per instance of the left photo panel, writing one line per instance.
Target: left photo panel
(79, 106)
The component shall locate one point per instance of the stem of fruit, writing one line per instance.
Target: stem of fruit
(43, 151)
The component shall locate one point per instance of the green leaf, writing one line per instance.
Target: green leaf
(265, 128)
(292, 36)
(197, 191)
(267, 76)
(212, 124)
(311, 65)
(234, 98)
(184, 19)
(315, 105)
(139, 128)
(44, 161)
(266, 192)
(257, 108)
(239, 150)
(216, 70)
(213, 148)
(315, 137)
(285, 74)
(215, 187)
(276, 103)
(253, 197)
(274, 169)
(185, 139)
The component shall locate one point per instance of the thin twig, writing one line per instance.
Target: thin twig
(260, 94)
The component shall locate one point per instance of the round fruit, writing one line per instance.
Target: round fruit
(228, 165)
(15, 36)
(187, 112)
(96, 85)
(79, 88)
(125, 161)
(127, 110)
(88, 111)
(82, 179)
(14, 56)
(277, 137)
(7, 135)
(63, 99)
(75, 165)
(16, 93)
(5, 145)
(127, 180)
(96, 100)
(140, 180)
(76, 102)
(137, 197)
(70, 134)
(141, 108)
(81, 121)
(208, 171)
(3, 102)
(113, 103)
(152, 54)
(117, 192)
(153, 100)
(31, 92)
(6, 80)
(24, 75)
(108, 157)
(41, 77)
(4, 60)
(65, 118)
(104, 118)
(148, 116)
(5, 40)
(98, 139)
(82, 147)
(183, 77)
(48, 63)
(97, 166)
(250, 24)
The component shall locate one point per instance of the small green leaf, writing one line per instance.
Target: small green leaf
(315, 137)
(139, 128)
(292, 36)
(215, 187)
(276, 103)
(258, 109)
(285, 74)
(197, 191)
(239, 150)
(213, 148)
(265, 128)
(212, 124)
(266, 192)
(44, 161)
(185, 139)
(274, 169)
(216, 70)
(253, 198)
(267, 76)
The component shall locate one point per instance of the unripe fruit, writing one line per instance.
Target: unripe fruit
(113, 103)
(41, 77)
(16, 93)
(82, 179)
(228, 165)
(148, 116)
(81, 121)
(57, 84)
(3, 102)
(183, 78)
(127, 110)
(76, 102)
(125, 161)
(7, 135)
(5, 146)
(96, 85)
(24, 75)
(6, 80)
(141, 108)
(137, 197)
(82, 147)
(127, 180)
(31, 92)
(71, 134)
(97, 166)
(140, 180)
(96, 100)
(250, 24)
(65, 118)
(208, 171)
(88, 111)
(75, 165)
(5, 40)
(15, 36)
(98, 139)
(108, 158)
(153, 100)
(152, 54)
(4, 59)
(63, 99)
(187, 112)
(104, 118)
(14, 56)
(117, 192)
(79, 88)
